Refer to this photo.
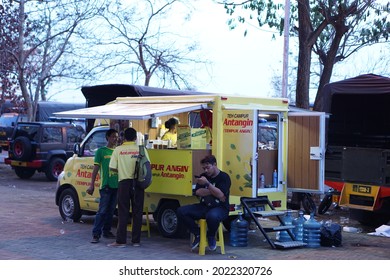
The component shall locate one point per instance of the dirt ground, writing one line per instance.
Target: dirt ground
(31, 228)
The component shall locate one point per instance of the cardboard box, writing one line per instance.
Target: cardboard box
(191, 138)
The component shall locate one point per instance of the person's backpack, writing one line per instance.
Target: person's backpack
(143, 170)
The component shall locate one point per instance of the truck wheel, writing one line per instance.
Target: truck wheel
(167, 221)
(54, 168)
(22, 148)
(69, 205)
(326, 202)
(24, 172)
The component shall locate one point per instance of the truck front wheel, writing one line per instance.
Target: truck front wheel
(167, 221)
(69, 205)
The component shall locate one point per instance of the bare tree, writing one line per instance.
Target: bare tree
(44, 36)
(141, 41)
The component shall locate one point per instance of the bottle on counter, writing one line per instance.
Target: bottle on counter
(275, 179)
(262, 181)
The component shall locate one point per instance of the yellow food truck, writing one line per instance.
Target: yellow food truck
(263, 145)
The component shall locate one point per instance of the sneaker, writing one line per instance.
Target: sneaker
(136, 244)
(109, 235)
(212, 243)
(195, 243)
(95, 239)
(116, 245)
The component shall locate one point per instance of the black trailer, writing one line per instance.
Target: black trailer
(357, 160)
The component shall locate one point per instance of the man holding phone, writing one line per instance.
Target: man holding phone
(213, 187)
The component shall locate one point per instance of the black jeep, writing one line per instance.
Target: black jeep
(42, 147)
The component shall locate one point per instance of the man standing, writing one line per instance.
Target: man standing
(108, 188)
(123, 161)
(213, 187)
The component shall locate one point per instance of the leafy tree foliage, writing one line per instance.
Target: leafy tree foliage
(331, 29)
(8, 42)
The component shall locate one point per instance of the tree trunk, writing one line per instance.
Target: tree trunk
(21, 60)
(304, 56)
(329, 62)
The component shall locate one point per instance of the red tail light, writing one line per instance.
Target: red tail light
(232, 207)
(276, 203)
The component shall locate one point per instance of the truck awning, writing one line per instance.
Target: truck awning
(133, 111)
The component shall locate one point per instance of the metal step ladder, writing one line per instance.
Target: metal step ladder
(255, 208)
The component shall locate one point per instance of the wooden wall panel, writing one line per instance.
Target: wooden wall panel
(303, 133)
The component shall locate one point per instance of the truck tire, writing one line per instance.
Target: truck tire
(22, 148)
(54, 168)
(167, 221)
(24, 172)
(69, 206)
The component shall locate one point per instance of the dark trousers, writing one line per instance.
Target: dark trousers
(128, 194)
(188, 214)
(104, 215)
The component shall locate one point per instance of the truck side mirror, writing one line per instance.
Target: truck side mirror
(76, 149)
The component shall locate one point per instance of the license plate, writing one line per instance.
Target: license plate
(361, 189)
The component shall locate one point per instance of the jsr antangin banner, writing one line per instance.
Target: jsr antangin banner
(171, 171)
(237, 147)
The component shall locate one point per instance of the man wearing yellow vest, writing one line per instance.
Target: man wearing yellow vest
(123, 161)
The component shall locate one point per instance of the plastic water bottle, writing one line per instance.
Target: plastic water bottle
(312, 232)
(262, 180)
(275, 179)
(239, 232)
(288, 221)
(298, 223)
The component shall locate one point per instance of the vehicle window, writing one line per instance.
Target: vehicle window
(267, 134)
(74, 134)
(97, 140)
(267, 137)
(29, 131)
(52, 135)
(8, 120)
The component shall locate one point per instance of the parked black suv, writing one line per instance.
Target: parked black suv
(42, 147)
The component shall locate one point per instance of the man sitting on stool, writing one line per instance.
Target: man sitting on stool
(213, 189)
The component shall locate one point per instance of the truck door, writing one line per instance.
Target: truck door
(239, 130)
(306, 152)
(252, 146)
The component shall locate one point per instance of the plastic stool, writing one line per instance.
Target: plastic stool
(146, 226)
(203, 237)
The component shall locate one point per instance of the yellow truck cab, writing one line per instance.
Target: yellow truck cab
(229, 127)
